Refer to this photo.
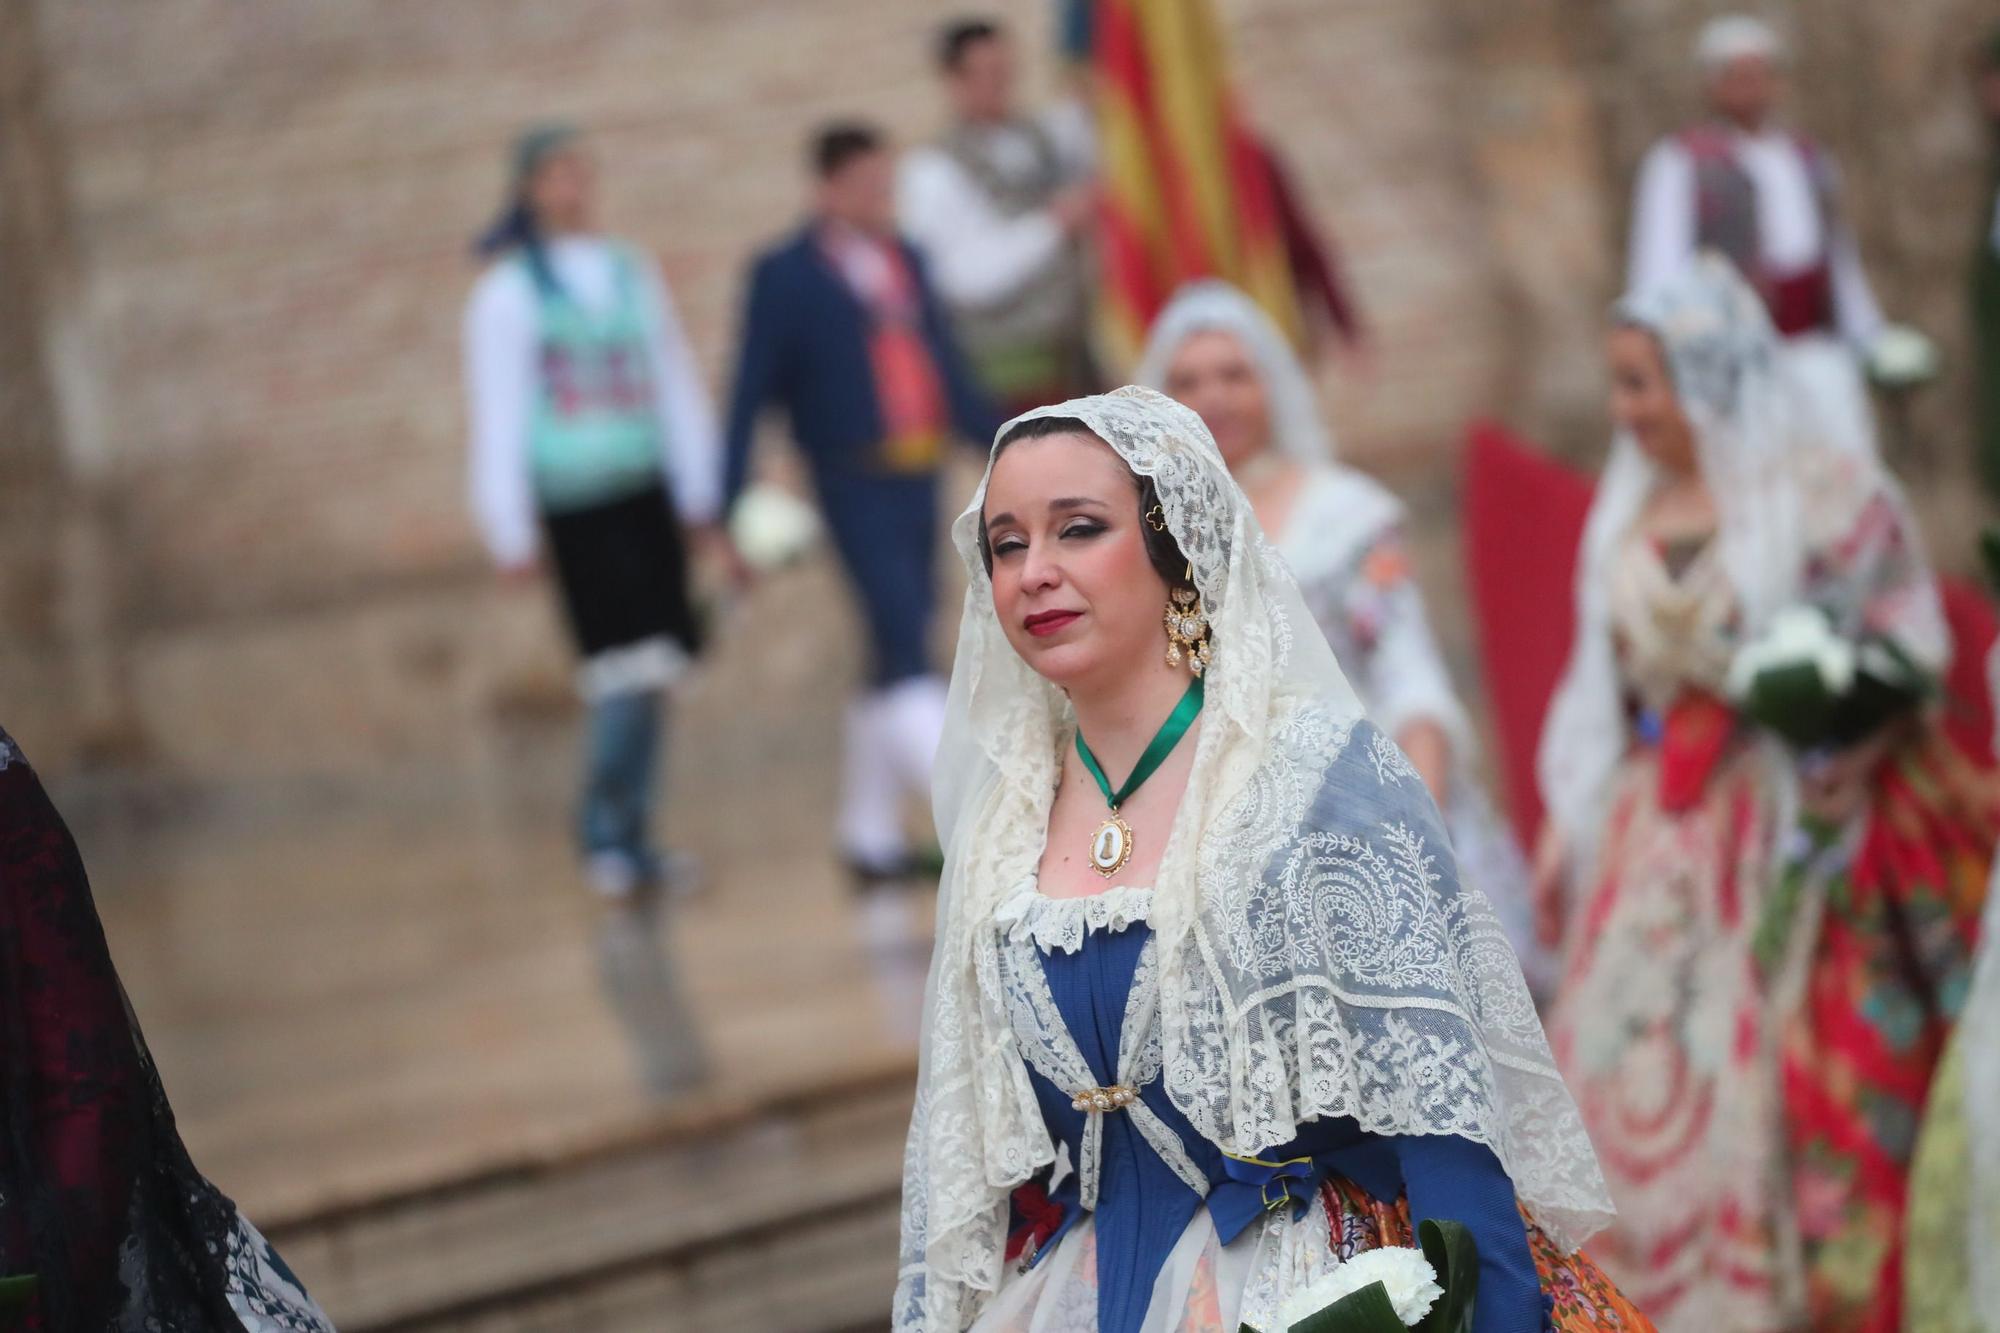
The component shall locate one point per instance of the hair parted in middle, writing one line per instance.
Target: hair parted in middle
(1162, 551)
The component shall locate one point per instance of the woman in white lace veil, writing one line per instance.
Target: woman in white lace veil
(1157, 1093)
(1743, 926)
(1722, 355)
(1342, 534)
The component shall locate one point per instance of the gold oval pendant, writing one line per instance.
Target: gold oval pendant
(1111, 847)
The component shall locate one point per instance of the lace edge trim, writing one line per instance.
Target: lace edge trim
(1053, 924)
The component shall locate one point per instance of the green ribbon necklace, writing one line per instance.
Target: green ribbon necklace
(1111, 845)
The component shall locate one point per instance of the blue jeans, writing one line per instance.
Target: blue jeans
(622, 760)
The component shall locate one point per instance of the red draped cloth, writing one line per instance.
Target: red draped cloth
(1524, 516)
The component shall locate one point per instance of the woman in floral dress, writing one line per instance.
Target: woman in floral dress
(1763, 952)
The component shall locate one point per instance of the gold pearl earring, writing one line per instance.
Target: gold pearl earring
(1187, 628)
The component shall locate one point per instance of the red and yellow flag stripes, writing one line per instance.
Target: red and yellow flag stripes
(1187, 189)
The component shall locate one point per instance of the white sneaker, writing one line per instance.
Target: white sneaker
(612, 875)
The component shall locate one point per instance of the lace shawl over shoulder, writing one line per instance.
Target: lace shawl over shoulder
(1314, 952)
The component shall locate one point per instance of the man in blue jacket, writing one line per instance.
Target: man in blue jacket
(845, 332)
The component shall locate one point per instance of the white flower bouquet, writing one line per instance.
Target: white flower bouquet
(1900, 357)
(1392, 1289)
(1815, 688)
(772, 527)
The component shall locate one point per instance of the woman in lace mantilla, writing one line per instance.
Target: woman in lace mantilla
(1162, 1097)
(1342, 534)
(98, 1200)
(1762, 954)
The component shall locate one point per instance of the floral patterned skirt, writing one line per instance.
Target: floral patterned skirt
(1866, 952)
(1751, 1036)
(1655, 1028)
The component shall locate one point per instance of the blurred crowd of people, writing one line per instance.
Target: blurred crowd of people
(928, 293)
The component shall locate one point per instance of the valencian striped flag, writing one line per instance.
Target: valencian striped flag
(1188, 189)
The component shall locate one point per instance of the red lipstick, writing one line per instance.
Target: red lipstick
(1044, 623)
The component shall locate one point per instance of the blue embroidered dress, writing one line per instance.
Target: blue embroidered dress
(1191, 1239)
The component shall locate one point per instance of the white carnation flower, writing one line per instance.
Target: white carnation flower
(1835, 660)
(1900, 357)
(772, 527)
(1404, 1273)
(1797, 632)
(1798, 636)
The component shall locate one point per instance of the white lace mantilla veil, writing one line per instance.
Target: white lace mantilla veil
(1724, 357)
(1298, 427)
(1316, 954)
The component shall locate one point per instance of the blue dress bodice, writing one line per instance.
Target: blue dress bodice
(1144, 1205)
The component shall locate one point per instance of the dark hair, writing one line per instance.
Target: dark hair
(1162, 551)
(517, 227)
(961, 35)
(841, 142)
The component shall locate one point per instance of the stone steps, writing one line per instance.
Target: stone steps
(778, 1214)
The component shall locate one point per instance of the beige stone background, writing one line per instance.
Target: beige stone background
(232, 256)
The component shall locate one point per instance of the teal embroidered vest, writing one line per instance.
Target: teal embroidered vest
(595, 433)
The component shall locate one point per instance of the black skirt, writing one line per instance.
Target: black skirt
(623, 571)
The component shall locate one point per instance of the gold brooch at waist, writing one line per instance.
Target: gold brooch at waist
(1098, 1101)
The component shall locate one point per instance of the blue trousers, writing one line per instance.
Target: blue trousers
(885, 530)
(621, 765)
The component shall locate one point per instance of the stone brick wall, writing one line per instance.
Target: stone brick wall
(249, 226)
(33, 493)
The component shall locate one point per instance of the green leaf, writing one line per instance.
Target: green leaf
(1455, 1255)
(1368, 1310)
(15, 1293)
(1792, 701)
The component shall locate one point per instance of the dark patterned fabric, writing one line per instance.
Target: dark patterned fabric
(97, 1195)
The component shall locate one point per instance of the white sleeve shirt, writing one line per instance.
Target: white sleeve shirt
(978, 257)
(502, 331)
(500, 338)
(1662, 218)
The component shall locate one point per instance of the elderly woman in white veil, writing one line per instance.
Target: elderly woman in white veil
(1342, 534)
(1209, 1011)
(1763, 951)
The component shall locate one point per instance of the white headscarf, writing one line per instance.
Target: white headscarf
(1315, 953)
(1363, 506)
(1212, 305)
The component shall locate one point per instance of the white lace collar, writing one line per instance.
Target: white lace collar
(1062, 923)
